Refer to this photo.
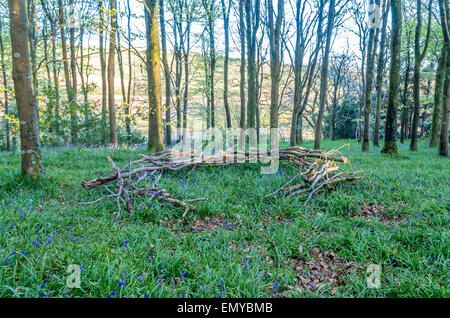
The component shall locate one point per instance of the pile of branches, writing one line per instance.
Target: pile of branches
(315, 170)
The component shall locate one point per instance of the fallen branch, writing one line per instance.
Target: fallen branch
(316, 169)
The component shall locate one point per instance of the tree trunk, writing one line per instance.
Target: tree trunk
(438, 90)
(418, 58)
(390, 137)
(110, 74)
(31, 156)
(186, 50)
(155, 135)
(226, 20)
(252, 10)
(69, 87)
(5, 86)
(242, 75)
(405, 108)
(73, 70)
(369, 81)
(298, 64)
(125, 104)
(166, 72)
(380, 73)
(275, 58)
(101, 9)
(445, 24)
(324, 75)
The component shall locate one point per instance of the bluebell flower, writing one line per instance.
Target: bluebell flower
(113, 293)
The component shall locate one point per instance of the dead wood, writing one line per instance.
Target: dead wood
(317, 169)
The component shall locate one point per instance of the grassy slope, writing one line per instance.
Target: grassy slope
(41, 233)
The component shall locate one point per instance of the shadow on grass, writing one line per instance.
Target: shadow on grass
(13, 182)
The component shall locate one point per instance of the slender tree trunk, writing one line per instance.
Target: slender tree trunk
(125, 104)
(5, 85)
(155, 134)
(186, 49)
(209, 8)
(380, 73)
(31, 156)
(69, 87)
(101, 9)
(56, 121)
(390, 137)
(418, 58)
(226, 20)
(130, 76)
(369, 81)
(324, 75)
(166, 72)
(298, 64)
(438, 90)
(242, 75)
(275, 58)
(252, 10)
(405, 108)
(73, 69)
(110, 74)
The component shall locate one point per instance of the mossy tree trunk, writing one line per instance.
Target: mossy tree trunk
(155, 134)
(438, 91)
(445, 24)
(405, 100)
(390, 137)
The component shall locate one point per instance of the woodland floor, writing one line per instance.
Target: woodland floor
(238, 244)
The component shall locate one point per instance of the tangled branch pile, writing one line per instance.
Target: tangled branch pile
(316, 169)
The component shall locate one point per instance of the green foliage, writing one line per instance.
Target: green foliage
(42, 231)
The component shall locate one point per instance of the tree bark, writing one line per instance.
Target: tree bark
(390, 137)
(110, 76)
(275, 58)
(226, 22)
(166, 72)
(405, 108)
(5, 86)
(31, 156)
(242, 75)
(380, 73)
(418, 58)
(438, 92)
(69, 84)
(369, 83)
(101, 9)
(445, 24)
(324, 75)
(155, 135)
(252, 15)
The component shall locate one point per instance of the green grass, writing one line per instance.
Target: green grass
(42, 232)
